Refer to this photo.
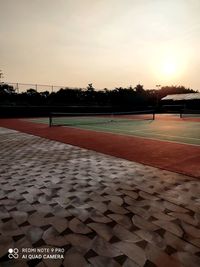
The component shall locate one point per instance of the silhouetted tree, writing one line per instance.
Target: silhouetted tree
(90, 88)
(45, 94)
(7, 94)
(32, 92)
(90, 94)
(139, 89)
(118, 97)
(6, 89)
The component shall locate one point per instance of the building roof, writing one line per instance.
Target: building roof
(175, 97)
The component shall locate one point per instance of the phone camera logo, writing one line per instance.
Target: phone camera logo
(13, 253)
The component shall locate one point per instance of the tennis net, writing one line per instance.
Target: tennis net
(73, 119)
(190, 113)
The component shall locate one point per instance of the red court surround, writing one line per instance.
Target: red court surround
(174, 157)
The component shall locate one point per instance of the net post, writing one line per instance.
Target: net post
(154, 115)
(50, 120)
(181, 113)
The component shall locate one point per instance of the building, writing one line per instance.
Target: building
(180, 101)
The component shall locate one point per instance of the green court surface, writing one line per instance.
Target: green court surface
(179, 131)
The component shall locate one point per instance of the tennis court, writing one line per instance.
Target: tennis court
(165, 141)
(175, 130)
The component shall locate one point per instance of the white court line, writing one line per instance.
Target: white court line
(176, 136)
(172, 141)
(141, 130)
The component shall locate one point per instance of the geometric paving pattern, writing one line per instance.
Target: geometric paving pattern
(104, 211)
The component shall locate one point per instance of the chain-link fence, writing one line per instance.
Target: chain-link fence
(23, 87)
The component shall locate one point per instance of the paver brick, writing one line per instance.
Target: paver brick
(104, 211)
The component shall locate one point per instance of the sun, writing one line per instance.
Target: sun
(170, 68)
(168, 64)
(167, 68)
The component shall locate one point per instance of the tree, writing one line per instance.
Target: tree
(90, 88)
(31, 92)
(90, 94)
(139, 88)
(45, 94)
(6, 89)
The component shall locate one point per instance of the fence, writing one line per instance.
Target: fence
(23, 87)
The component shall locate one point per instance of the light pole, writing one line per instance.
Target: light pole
(1, 76)
(158, 86)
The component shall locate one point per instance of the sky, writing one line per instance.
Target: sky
(109, 43)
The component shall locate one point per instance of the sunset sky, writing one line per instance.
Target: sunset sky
(109, 43)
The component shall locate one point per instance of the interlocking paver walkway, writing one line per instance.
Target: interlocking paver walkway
(103, 211)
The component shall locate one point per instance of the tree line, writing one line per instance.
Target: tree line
(130, 96)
